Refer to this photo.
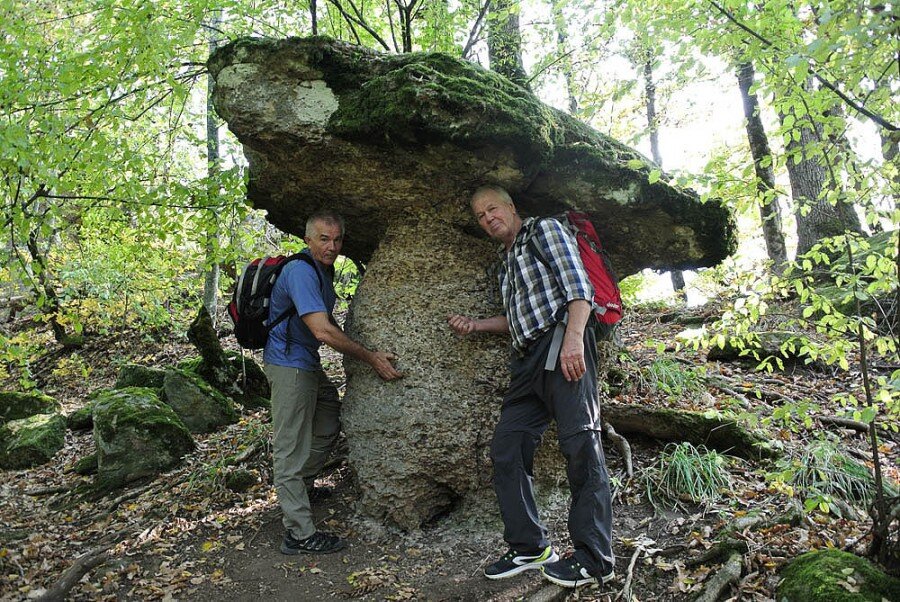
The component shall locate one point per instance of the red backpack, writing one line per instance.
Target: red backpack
(607, 296)
(249, 307)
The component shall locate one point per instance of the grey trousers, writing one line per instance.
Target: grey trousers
(306, 418)
(536, 396)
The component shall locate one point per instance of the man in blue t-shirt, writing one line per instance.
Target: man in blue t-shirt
(305, 405)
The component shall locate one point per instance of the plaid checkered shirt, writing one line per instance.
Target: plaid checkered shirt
(534, 295)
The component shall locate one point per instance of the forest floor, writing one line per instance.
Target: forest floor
(185, 536)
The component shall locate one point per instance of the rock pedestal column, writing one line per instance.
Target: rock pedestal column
(420, 445)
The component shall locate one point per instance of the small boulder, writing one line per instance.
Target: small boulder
(137, 436)
(81, 419)
(835, 576)
(15, 406)
(135, 375)
(240, 480)
(200, 407)
(31, 441)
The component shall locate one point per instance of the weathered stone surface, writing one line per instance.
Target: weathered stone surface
(31, 441)
(835, 576)
(15, 405)
(200, 407)
(421, 444)
(375, 137)
(397, 144)
(135, 375)
(137, 436)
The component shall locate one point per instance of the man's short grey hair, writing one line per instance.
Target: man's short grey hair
(498, 191)
(326, 217)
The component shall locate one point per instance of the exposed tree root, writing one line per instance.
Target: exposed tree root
(680, 425)
(729, 574)
(622, 445)
(83, 565)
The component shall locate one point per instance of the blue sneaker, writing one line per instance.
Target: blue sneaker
(513, 563)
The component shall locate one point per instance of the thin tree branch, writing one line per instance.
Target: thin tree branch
(850, 102)
(474, 34)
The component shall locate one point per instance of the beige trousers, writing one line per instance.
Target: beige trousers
(306, 418)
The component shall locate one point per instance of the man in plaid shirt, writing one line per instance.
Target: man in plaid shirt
(542, 297)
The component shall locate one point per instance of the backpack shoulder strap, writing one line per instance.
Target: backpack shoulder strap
(304, 257)
(532, 242)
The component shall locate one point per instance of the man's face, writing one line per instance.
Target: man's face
(495, 216)
(325, 243)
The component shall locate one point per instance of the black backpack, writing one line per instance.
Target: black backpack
(249, 307)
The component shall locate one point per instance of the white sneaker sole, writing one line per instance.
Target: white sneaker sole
(524, 567)
(579, 582)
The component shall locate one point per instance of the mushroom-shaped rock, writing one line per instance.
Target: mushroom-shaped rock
(397, 144)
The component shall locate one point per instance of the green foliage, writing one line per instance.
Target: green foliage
(821, 475)
(687, 473)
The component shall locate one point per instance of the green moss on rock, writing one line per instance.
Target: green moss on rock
(137, 436)
(81, 419)
(15, 405)
(199, 405)
(135, 375)
(31, 441)
(86, 465)
(835, 576)
(436, 98)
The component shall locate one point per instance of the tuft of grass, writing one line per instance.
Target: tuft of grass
(823, 477)
(687, 473)
(673, 378)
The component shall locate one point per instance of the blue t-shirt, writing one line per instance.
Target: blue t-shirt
(291, 343)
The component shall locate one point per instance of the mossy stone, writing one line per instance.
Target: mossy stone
(240, 480)
(835, 576)
(137, 436)
(31, 441)
(81, 419)
(199, 405)
(135, 375)
(15, 405)
(189, 364)
(86, 465)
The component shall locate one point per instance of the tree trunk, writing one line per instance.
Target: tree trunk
(677, 276)
(505, 41)
(211, 277)
(807, 170)
(769, 211)
(562, 49)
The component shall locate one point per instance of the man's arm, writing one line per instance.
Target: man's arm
(571, 355)
(326, 332)
(464, 325)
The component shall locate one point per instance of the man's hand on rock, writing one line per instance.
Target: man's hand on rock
(382, 362)
(461, 325)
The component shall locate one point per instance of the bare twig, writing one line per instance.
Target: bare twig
(625, 594)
